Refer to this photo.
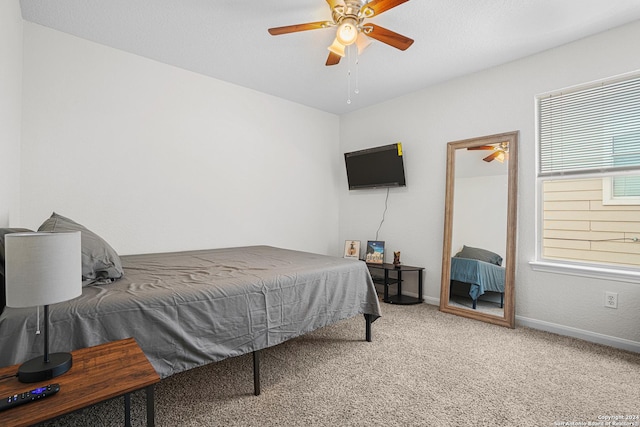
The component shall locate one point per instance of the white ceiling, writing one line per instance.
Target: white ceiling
(228, 40)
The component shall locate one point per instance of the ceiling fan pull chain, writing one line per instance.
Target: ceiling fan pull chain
(348, 74)
(357, 90)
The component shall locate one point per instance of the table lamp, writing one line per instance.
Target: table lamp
(43, 269)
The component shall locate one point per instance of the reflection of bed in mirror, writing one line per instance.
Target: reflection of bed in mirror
(481, 276)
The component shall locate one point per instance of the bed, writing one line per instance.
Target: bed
(481, 270)
(187, 309)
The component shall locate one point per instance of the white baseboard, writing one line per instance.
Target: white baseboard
(431, 300)
(569, 331)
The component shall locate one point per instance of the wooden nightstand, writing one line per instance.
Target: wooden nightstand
(98, 373)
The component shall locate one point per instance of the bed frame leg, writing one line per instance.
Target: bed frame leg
(256, 357)
(256, 372)
(367, 318)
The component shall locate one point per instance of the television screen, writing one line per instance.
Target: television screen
(375, 167)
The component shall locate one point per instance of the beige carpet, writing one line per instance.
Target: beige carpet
(423, 368)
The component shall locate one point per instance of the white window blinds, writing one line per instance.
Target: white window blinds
(596, 129)
(626, 186)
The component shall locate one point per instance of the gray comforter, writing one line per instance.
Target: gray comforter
(186, 309)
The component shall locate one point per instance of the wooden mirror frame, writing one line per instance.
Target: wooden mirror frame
(508, 318)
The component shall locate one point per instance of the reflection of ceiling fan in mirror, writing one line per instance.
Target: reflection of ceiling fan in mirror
(500, 151)
(349, 16)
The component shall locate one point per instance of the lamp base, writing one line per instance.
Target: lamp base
(37, 369)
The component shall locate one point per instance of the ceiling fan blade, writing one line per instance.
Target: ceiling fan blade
(492, 156)
(299, 27)
(482, 147)
(379, 6)
(333, 59)
(389, 37)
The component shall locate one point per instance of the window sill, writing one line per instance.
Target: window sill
(619, 275)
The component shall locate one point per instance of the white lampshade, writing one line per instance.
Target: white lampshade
(362, 42)
(42, 268)
(337, 48)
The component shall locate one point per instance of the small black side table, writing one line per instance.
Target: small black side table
(390, 280)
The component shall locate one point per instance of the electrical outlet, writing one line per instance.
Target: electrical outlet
(611, 299)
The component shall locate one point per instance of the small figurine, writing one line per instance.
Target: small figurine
(352, 249)
(396, 258)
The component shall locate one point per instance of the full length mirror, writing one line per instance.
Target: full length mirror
(478, 257)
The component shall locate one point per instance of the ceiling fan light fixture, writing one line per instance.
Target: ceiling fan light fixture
(337, 48)
(362, 42)
(347, 32)
(348, 18)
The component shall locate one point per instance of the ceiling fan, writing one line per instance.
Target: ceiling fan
(349, 16)
(500, 151)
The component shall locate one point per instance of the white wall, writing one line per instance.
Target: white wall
(155, 158)
(10, 109)
(480, 213)
(489, 102)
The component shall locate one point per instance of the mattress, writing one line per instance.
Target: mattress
(187, 309)
(482, 276)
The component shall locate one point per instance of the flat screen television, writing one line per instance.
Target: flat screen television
(375, 167)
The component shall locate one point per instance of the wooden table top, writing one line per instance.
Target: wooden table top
(98, 373)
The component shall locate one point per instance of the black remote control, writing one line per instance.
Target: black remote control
(29, 396)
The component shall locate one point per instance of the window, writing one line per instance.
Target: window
(589, 175)
(621, 190)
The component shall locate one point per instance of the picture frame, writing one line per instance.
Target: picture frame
(352, 249)
(375, 252)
